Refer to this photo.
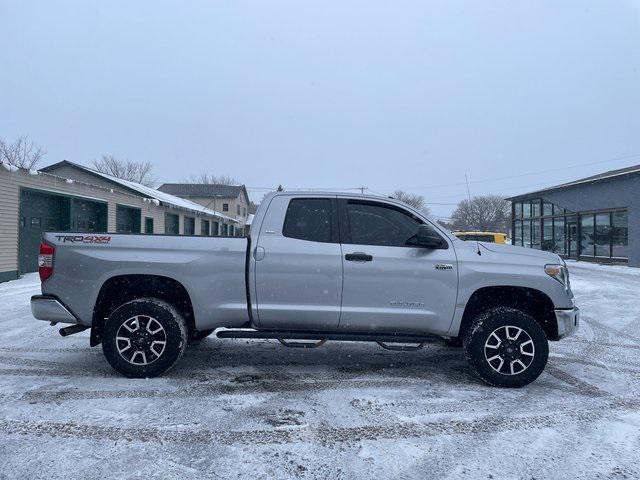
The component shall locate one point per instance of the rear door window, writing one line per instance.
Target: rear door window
(310, 219)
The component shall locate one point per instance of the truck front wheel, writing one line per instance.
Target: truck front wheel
(144, 338)
(505, 347)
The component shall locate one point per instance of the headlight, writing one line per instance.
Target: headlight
(558, 272)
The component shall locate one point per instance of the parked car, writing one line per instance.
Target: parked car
(491, 237)
(315, 267)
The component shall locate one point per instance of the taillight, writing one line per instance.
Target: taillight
(45, 261)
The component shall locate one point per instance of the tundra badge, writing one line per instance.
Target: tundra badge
(444, 266)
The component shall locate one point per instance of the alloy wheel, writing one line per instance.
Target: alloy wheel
(141, 340)
(509, 350)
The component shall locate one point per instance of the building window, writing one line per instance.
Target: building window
(526, 210)
(517, 234)
(535, 208)
(547, 234)
(547, 209)
(526, 233)
(586, 236)
(535, 233)
(189, 226)
(517, 207)
(148, 225)
(225, 207)
(559, 236)
(225, 230)
(603, 232)
(238, 209)
(244, 211)
(214, 229)
(204, 227)
(619, 235)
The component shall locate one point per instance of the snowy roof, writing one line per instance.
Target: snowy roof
(202, 189)
(145, 191)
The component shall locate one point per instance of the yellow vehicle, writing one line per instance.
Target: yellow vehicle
(491, 237)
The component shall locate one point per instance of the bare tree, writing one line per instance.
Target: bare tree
(22, 153)
(253, 206)
(484, 213)
(213, 179)
(139, 172)
(416, 201)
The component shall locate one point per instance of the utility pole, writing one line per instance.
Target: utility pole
(362, 189)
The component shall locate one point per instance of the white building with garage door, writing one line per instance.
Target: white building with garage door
(70, 197)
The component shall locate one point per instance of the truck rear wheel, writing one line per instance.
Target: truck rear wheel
(505, 347)
(144, 338)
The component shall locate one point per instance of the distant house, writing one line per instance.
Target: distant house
(231, 200)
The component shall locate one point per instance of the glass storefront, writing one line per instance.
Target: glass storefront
(543, 225)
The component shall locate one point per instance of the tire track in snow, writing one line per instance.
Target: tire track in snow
(609, 344)
(221, 388)
(580, 385)
(321, 434)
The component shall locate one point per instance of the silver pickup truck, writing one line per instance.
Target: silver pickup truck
(315, 267)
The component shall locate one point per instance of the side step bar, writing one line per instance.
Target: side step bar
(72, 330)
(381, 338)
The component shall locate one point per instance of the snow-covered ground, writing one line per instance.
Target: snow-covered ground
(253, 409)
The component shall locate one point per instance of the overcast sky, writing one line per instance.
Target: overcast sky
(395, 94)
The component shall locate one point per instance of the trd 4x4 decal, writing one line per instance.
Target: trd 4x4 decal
(84, 238)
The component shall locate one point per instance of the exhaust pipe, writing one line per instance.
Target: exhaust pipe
(66, 331)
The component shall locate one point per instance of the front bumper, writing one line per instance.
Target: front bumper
(568, 321)
(50, 309)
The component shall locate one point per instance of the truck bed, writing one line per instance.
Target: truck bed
(211, 269)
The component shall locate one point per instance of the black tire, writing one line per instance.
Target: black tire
(199, 335)
(530, 348)
(453, 342)
(158, 323)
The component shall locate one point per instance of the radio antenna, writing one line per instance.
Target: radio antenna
(466, 179)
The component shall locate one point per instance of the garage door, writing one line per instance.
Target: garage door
(44, 212)
(127, 219)
(39, 212)
(171, 224)
(88, 216)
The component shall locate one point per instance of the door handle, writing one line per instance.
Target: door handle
(358, 257)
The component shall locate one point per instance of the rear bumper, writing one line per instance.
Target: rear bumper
(568, 321)
(50, 309)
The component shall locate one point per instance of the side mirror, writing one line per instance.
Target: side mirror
(428, 238)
